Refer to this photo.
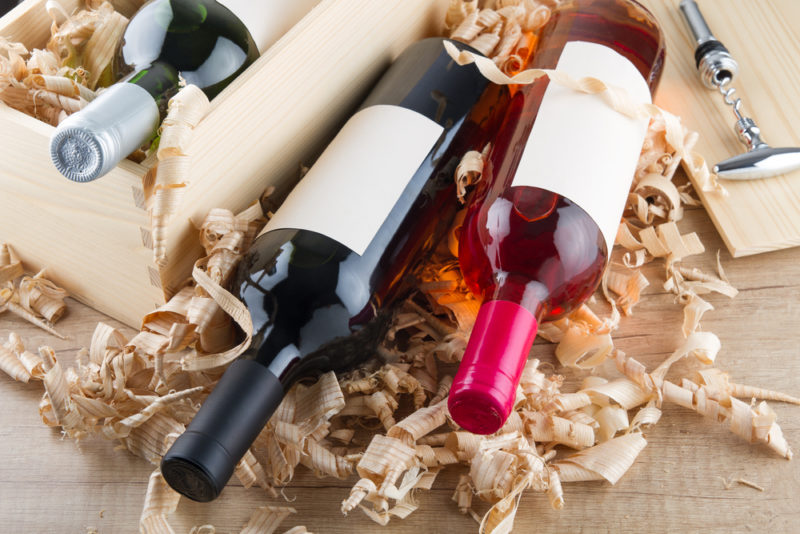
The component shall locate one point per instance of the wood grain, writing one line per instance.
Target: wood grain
(764, 37)
(49, 484)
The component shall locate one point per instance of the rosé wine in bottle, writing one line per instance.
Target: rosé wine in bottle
(538, 232)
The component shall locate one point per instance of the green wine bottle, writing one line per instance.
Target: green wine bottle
(206, 43)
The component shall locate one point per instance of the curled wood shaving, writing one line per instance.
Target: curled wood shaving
(628, 286)
(696, 281)
(10, 265)
(693, 311)
(18, 363)
(503, 33)
(88, 39)
(566, 402)
(469, 173)
(209, 295)
(267, 519)
(553, 429)
(729, 483)
(756, 425)
(41, 296)
(622, 392)
(646, 417)
(463, 494)
(655, 196)
(611, 420)
(35, 299)
(420, 423)
(717, 378)
(159, 501)
(583, 350)
(505, 467)
(185, 110)
(457, 11)
(610, 459)
(666, 241)
(702, 345)
(57, 402)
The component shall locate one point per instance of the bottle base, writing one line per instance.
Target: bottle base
(197, 466)
(189, 480)
(476, 413)
(77, 154)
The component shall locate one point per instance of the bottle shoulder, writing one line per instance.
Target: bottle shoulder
(202, 40)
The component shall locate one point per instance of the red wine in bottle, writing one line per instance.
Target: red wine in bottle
(537, 235)
(322, 277)
(207, 43)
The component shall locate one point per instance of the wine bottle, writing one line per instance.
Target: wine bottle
(7, 5)
(537, 234)
(207, 43)
(322, 277)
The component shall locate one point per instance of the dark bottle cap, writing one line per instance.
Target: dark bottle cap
(202, 460)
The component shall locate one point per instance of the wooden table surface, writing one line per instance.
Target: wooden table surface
(49, 484)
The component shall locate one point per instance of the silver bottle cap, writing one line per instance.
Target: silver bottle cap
(91, 142)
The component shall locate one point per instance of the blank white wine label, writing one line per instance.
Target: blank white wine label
(358, 179)
(268, 21)
(579, 147)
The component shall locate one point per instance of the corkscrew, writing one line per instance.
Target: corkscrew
(717, 69)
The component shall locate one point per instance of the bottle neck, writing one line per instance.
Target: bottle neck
(624, 26)
(530, 295)
(160, 80)
(202, 460)
(485, 387)
(89, 144)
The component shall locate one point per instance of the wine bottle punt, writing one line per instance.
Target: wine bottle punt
(207, 43)
(537, 235)
(321, 279)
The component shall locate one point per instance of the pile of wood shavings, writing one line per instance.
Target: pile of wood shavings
(142, 392)
(34, 298)
(59, 80)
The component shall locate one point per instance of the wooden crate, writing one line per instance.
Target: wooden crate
(95, 238)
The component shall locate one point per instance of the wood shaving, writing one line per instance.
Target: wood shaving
(185, 110)
(159, 501)
(35, 299)
(610, 460)
(729, 484)
(504, 34)
(267, 519)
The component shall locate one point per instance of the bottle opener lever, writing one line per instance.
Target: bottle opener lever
(717, 68)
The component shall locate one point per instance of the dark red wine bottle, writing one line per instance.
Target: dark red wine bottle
(537, 235)
(321, 279)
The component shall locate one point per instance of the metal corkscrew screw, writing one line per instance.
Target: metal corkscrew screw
(717, 69)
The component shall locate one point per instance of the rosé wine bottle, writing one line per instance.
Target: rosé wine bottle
(540, 227)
